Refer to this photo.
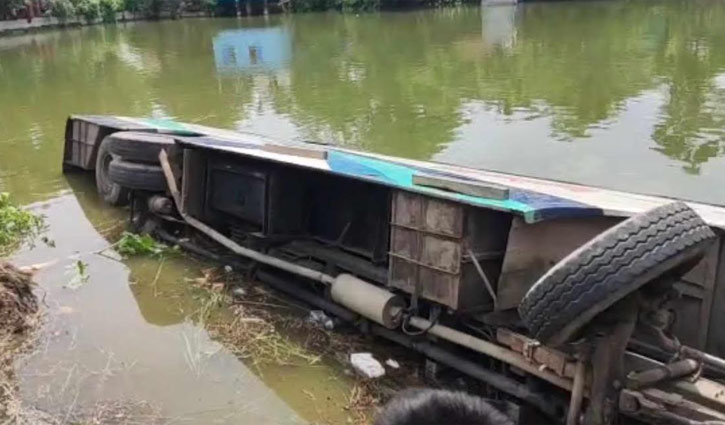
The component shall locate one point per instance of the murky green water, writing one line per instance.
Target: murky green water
(621, 94)
(624, 94)
(131, 336)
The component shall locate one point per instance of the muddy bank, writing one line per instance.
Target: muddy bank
(19, 317)
(18, 304)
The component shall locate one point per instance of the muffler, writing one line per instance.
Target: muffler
(368, 300)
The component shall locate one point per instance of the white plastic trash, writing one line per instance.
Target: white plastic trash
(366, 365)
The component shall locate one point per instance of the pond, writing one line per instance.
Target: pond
(623, 94)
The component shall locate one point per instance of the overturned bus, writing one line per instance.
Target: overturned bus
(575, 304)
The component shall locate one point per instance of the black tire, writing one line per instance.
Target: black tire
(134, 175)
(112, 193)
(136, 146)
(667, 239)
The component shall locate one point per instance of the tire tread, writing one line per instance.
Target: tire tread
(611, 263)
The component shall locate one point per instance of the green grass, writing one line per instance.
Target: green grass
(132, 244)
(17, 225)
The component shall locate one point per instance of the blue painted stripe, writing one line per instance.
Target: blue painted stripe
(534, 206)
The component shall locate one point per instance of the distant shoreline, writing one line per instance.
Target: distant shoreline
(22, 26)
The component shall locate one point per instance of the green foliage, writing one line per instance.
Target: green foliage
(152, 8)
(174, 6)
(62, 9)
(200, 5)
(357, 5)
(132, 244)
(16, 225)
(90, 10)
(312, 5)
(109, 8)
(208, 5)
(132, 5)
(79, 271)
(7, 6)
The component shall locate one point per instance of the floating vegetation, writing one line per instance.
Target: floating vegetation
(79, 272)
(267, 329)
(254, 337)
(132, 244)
(16, 225)
(253, 331)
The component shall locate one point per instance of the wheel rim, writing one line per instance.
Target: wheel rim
(106, 184)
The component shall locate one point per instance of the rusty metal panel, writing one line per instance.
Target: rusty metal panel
(441, 254)
(696, 303)
(76, 135)
(193, 183)
(440, 286)
(426, 250)
(82, 142)
(426, 247)
(443, 218)
(429, 249)
(534, 248)
(407, 209)
(701, 280)
(403, 274)
(716, 337)
(428, 214)
(428, 283)
(404, 243)
(693, 309)
(89, 142)
(85, 137)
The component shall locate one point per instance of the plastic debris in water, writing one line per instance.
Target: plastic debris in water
(239, 292)
(319, 318)
(392, 364)
(366, 365)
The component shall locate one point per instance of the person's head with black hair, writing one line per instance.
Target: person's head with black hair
(439, 407)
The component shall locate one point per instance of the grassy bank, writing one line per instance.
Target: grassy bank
(16, 225)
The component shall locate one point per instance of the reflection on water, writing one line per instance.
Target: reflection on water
(617, 94)
(498, 28)
(131, 335)
(247, 49)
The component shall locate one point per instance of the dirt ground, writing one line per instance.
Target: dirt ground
(18, 304)
(19, 316)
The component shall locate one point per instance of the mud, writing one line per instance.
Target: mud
(18, 304)
(19, 315)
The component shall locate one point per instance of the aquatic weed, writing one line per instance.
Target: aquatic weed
(16, 225)
(132, 244)
(79, 270)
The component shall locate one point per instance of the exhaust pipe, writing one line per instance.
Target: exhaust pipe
(368, 300)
